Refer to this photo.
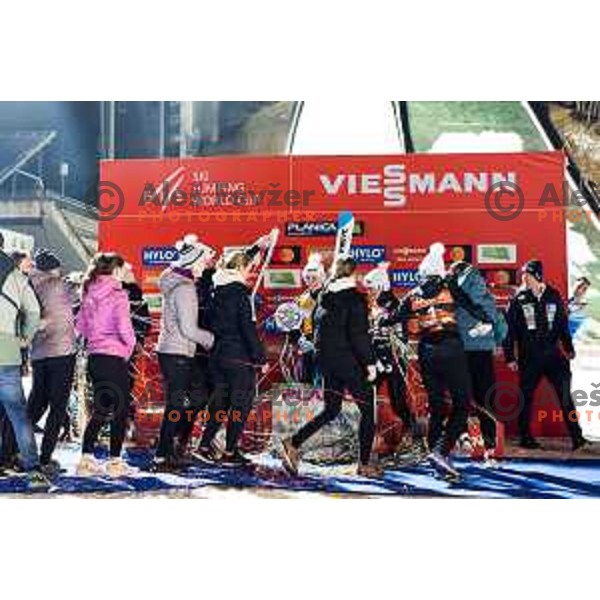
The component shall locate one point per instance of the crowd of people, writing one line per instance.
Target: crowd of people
(209, 352)
(453, 318)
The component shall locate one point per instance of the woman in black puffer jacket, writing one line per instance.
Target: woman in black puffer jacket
(347, 362)
(236, 355)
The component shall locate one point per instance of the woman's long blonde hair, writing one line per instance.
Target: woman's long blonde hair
(236, 261)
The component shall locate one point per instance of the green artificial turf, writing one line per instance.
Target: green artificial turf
(428, 120)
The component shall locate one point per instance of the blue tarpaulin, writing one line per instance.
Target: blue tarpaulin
(513, 478)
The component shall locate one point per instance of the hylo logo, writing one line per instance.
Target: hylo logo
(367, 254)
(404, 278)
(159, 255)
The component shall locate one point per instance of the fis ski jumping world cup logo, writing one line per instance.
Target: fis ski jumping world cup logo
(396, 184)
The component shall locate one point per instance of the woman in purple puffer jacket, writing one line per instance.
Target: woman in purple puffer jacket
(104, 321)
(52, 354)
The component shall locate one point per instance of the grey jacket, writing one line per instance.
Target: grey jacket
(473, 284)
(19, 314)
(56, 336)
(179, 331)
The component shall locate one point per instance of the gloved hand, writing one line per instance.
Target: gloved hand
(305, 345)
(371, 373)
(208, 340)
(480, 330)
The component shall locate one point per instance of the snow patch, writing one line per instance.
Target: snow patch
(486, 141)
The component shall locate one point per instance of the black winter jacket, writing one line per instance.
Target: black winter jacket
(342, 336)
(140, 313)
(228, 316)
(205, 290)
(536, 326)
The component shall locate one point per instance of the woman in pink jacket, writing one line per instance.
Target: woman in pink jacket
(104, 321)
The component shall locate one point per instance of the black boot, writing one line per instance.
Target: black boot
(235, 459)
(442, 467)
(579, 443)
(168, 464)
(529, 443)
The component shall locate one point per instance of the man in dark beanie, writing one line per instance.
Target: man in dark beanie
(534, 268)
(538, 329)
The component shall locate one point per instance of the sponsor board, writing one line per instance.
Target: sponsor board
(426, 217)
(319, 228)
(404, 278)
(279, 279)
(409, 254)
(367, 254)
(153, 256)
(496, 254)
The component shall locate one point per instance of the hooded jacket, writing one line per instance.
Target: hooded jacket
(179, 331)
(342, 332)
(56, 337)
(104, 319)
(473, 285)
(229, 317)
(19, 312)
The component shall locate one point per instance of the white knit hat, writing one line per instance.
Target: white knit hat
(314, 267)
(191, 250)
(378, 279)
(433, 263)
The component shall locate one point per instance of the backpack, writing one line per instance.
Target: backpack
(7, 267)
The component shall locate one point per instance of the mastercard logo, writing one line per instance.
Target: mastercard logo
(287, 255)
(458, 253)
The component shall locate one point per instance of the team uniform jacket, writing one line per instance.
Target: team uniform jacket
(431, 308)
(536, 326)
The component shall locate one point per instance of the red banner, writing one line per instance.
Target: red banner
(401, 203)
(493, 210)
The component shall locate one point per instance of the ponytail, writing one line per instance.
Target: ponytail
(104, 263)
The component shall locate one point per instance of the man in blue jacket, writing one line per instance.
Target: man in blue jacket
(480, 343)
